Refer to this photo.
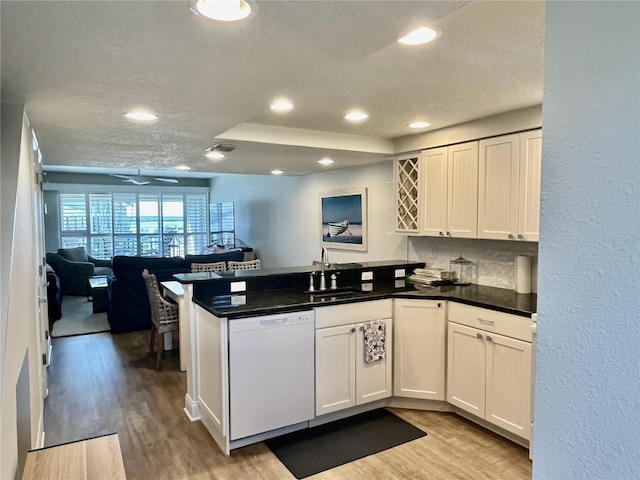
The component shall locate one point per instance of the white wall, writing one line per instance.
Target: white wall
(587, 407)
(279, 216)
(262, 209)
(19, 293)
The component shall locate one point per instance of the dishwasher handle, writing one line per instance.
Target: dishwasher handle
(273, 322)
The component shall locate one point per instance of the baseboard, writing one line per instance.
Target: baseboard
(491, 427)
(191, 409)
(40, 439)
(419, 404)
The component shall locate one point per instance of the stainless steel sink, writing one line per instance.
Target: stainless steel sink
(338, 292)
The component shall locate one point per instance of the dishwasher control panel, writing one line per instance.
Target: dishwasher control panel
(301, 318)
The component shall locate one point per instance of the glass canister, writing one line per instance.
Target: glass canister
(461, 270)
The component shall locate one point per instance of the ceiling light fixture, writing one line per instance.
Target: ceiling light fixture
(141, 116)
(213, 155)
(356, 116)
(282, 106)
(277, 172)
(419, 36)
(419, 125)
(182, 167)
(325, 161)
(222, 10)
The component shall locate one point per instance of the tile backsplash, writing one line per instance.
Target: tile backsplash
(494, 260)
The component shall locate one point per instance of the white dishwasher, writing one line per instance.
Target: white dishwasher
(271, 372)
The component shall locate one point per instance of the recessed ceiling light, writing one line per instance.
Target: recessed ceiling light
(214, 155)
(277, 172)
(419, 36)
(182, 167)
(419, 125)
(142, 116)
(282, 106)
(356, 116)
(223, 10)
(325, 161)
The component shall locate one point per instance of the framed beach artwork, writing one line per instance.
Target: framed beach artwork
(344, 219)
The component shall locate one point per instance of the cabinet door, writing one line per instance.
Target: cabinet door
(407, 182)
(462, 208)
(419, 349)
(508, 388)
(529, 189)
(434, 168)
(466, 369)
(335, 368)
(373, 380)
(498, 187)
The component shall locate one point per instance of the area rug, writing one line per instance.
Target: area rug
(78, 318)
(314, 450)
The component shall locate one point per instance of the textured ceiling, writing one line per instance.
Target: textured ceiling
(78, 66)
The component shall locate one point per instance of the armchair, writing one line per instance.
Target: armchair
(73, 266)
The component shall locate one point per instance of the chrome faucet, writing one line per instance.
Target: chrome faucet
(324, 261)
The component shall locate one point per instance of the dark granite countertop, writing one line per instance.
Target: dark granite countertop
(305, 269)
(266, 302)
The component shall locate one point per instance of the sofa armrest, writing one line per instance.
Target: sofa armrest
(99, 262)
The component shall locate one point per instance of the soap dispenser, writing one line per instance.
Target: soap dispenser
(334, 281)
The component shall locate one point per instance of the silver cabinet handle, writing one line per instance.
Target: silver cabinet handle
(479, 335)
(510, 235)
(486, 322)
(520, 236)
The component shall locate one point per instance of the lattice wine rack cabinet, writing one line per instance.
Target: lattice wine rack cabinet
(407, 188)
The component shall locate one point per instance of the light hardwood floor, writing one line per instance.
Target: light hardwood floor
(105, 383)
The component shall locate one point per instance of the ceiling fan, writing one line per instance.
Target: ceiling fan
(142, 179)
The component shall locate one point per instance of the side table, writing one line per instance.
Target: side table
(98, 291)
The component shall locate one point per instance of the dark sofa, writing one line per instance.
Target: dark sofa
(127, 301)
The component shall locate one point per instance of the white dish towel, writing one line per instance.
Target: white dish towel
(375, 337)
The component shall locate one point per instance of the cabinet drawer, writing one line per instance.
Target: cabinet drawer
(336, 315)
(506, 324)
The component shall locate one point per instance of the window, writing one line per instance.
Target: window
(73, 220)
(222, 222)
(196, 211)
(158, 224)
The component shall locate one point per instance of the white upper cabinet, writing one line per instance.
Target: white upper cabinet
(449, 191)
(509, 187)
(529, 191)
(498, 187)
(435, 179)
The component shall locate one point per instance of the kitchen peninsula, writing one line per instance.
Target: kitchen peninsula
(260, 344)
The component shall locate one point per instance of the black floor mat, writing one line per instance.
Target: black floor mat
(310, 451)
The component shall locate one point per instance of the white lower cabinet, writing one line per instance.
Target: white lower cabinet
(419, 349)
(343, 378)
(489, 374)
